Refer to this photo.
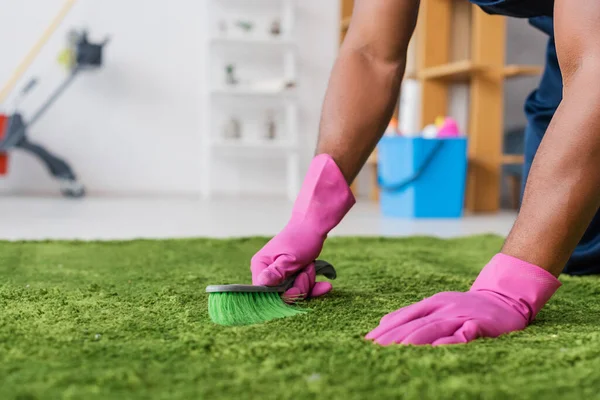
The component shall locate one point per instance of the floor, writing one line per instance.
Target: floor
(130, 321)
(33, 218)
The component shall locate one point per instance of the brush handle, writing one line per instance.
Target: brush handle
(321, 268)
(325, 269)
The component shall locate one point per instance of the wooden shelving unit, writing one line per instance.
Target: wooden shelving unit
(462, 71)
(458, 71)
(459, 43)
(512, 71)
(346, 7)
(508, 159)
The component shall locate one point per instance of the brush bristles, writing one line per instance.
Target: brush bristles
(242, 308)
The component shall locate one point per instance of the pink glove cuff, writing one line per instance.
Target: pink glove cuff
(524, 286)
(325, 197)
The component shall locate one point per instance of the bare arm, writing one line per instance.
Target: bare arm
(365, 81)
(563, 189)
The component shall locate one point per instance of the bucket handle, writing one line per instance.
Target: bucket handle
(395, 187)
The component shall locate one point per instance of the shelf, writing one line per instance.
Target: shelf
(248, 3)
(454, 71)
(267, 80)
(463, 70)
(254, 144)
(513, 159)
(345, 24)
(267, 40)
(249, 91)
(512, 71)
(372, 160)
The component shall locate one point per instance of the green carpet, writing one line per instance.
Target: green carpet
(128, 320)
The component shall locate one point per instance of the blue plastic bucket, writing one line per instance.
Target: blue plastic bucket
(422, 178)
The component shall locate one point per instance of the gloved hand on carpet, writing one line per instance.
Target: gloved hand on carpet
(505, 297)
(324, 200)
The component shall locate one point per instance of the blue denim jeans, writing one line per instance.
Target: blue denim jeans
(517, 8)
(540, 106)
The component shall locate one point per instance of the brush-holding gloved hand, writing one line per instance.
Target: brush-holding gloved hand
(324, 200)
(505, 297)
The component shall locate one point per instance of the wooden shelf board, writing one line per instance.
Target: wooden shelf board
(345, 24)
(411, 74)
(372, 160)
(454, 71)
(512, 71)
(463, 70)
(508, 159)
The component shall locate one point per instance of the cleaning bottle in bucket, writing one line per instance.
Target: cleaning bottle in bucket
(449, 129)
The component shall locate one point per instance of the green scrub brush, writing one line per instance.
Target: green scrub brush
(248, 304)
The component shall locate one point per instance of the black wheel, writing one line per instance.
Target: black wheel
(72, 189)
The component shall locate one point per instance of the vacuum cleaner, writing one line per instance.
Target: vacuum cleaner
(81, 55)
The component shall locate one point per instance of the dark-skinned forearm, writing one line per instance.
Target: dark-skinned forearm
(563, 190)
(358, 106)
(365, 81)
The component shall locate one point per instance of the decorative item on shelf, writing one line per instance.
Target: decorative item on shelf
(271, 126)
(230, 77)
(223, 27)
(275, 28)
(245, 25)
(392, 128)
(232, 129)
(272, 85)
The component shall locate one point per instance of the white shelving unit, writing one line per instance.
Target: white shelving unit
(250, 91)
(226, 41)
(242, 41)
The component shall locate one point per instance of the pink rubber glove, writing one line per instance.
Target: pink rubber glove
(505, 297)
(323, 201)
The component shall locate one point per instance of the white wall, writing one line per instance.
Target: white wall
(135, 126)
